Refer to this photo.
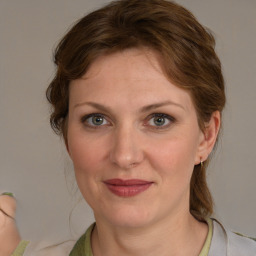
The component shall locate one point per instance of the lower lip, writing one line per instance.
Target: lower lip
(128, 191)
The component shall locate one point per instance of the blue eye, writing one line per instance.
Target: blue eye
(95, 120)
(160, 120)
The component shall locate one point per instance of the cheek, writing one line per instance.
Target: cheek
(174, 157)
(87, 156)
(174, 163)
(87, 161)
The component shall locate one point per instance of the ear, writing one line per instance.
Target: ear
(208, 137)
(65, 136)
(66, 144)
(68, 149)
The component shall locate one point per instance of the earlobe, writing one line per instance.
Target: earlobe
(66, 145)
(209, 137)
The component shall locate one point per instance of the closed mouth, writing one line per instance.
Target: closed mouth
(127, 188)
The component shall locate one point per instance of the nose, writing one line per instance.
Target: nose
(126, 151)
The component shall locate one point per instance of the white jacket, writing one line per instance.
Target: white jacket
(227, 243)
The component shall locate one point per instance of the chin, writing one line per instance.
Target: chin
(130, 222)
(129, 217)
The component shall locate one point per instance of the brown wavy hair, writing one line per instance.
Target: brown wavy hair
(187, 56)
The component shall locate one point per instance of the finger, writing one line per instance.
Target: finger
(6, 214)
(2, 219)
(8, 205)
(8, 194)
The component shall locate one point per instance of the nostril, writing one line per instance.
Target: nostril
(133, 165)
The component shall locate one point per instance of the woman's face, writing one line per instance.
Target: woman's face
(133, 138)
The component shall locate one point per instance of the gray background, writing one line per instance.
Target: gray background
(33, 162)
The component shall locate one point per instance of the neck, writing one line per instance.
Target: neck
(179, 236)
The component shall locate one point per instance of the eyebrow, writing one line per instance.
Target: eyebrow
(146, 108)
(161, 104)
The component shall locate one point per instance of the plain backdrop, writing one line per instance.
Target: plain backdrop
(33, 162)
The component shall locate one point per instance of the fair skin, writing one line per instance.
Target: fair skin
(147, 130)
(128, 121)
(9, 235)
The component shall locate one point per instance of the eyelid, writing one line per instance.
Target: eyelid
(86, 117)
(170, 118)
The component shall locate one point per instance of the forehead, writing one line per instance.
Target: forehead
(123, 62)
(133, 75)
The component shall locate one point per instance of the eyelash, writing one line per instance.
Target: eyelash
(85, 118)
(164, 116)
(170, 119)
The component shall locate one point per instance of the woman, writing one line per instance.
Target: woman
(137, 96)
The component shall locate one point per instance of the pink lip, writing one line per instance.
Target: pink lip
(127, 188)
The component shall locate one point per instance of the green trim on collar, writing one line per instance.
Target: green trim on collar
(244, 236)
(83, 245)
(19, 251)
(207, 243)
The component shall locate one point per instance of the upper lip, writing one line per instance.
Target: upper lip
(129, 182)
